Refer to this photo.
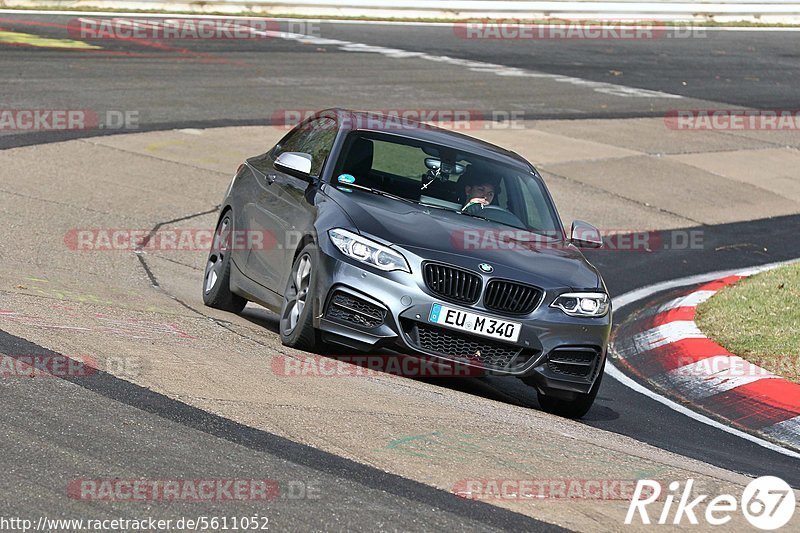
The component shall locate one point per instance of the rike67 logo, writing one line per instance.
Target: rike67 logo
(768, 503)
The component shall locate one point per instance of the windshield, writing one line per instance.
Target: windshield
(439, 176)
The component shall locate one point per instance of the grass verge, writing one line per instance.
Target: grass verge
(758, 319)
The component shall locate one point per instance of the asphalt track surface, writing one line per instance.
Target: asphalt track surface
(198, 83)
(202, 83)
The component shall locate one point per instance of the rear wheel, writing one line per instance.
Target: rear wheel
(575, 408)
(297, 320)
(217, 279)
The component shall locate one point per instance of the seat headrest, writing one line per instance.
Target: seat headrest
(359, 159)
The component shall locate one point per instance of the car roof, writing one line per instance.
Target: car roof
(396, 124)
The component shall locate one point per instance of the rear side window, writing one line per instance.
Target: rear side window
(314, 137)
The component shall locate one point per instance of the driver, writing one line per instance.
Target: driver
(480, 187)
(482, 193)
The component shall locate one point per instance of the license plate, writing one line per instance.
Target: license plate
(475, 323)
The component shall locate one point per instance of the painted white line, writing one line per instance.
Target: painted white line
(668, 333)
(691, 300)
(639, 294)
(681, 301)
(475, 66)
(615, 373)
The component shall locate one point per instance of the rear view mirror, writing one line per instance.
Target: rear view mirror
(585, 235)
(435, 164)
(295, 163)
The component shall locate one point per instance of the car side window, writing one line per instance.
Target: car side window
(314, 137)
(535, 204)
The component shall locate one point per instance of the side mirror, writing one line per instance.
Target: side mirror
(295, 163)
(585, 235)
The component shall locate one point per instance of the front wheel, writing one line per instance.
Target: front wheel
(297, 320)
(217, 278)
(575, 408)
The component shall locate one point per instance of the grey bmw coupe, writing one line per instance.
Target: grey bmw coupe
(371, 231)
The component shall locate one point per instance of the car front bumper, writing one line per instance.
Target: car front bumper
(390, 310)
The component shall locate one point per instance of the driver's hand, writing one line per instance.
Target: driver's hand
(473, 205)
(482, 201)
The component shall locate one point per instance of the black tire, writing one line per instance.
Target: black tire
(297, 313)
(575, 408)
(217, 276)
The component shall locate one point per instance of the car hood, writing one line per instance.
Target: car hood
(465, 241)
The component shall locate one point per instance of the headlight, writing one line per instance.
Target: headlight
(367, 251)
(591, 304)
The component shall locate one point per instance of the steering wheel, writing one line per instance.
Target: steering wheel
(495, 213)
